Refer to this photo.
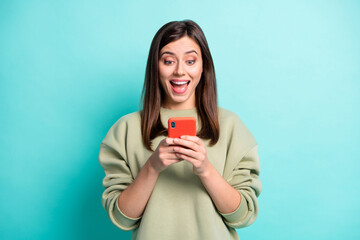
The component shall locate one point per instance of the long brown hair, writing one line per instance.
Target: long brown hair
(153, 95)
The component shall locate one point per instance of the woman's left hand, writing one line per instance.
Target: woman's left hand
(192, 149)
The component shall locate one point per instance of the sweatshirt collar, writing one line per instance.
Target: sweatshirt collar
(166, 113)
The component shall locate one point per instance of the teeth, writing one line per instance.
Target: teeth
(179, 83)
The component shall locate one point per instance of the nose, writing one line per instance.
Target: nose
(179, 69)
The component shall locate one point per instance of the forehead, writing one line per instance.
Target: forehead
(181, 46)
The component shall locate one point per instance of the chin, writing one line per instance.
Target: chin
(179, 100)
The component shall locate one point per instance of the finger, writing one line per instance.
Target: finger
(167, 141)
(173, 161)
(169, 149)
(165, 153)
(186, 143)
(186, 158)
(170, 156)
(187, 152)
(194, 139)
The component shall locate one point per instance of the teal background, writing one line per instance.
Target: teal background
(70, 69)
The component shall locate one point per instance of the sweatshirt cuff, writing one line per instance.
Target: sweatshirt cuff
(127, 223)
(236, 216)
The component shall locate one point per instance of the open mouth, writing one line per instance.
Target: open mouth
(179, 86)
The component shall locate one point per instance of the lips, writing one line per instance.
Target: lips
(179, 86)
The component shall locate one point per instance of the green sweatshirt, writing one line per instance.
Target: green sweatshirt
(179, 207)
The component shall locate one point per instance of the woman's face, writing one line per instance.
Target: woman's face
(180, 69)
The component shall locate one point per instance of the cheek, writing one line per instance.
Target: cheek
(164, 71)
(196, 72)
(162, 76)
(163, 82)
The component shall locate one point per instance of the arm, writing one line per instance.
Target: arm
(117, 178)
(226, 198)
(245, 180)
(236, 197)
(133, 200)
(125, 198)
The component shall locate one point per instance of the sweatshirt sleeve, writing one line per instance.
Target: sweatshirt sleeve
(244, 177)
(112, 157)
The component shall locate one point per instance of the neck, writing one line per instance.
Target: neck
(179, 106)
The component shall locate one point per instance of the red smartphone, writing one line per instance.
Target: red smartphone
(179, 126)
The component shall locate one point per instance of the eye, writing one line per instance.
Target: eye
(168, 62)
(191, 62)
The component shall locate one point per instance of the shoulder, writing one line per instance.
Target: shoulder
(124, 124)
(227, 115)
(229, 118)
(231, 123)
(130, 117)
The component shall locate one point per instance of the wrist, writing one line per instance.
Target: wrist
(207, 173)
(150, 168)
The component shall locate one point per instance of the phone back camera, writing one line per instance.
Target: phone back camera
(172, 124)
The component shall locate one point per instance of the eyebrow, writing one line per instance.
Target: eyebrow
(171, 53)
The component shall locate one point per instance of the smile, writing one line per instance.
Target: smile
(179, 86)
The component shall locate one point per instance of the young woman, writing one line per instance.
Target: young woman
(193, 187)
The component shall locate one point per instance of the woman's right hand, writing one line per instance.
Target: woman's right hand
(164, 155)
